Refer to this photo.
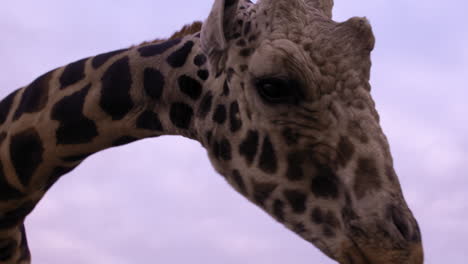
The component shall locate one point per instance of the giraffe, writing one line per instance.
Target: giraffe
(276, 91)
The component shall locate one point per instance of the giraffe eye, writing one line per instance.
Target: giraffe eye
(277, 90)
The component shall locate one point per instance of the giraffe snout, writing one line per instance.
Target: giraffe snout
(372, 255)
(404, 224)
(394, 239)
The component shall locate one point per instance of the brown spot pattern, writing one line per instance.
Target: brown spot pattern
(26, 151)
(295, 172)
(345, 151)
(34, 97)
(367, 177)
(278, 210)
(262, 191)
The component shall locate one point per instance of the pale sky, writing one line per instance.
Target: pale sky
(160, 200)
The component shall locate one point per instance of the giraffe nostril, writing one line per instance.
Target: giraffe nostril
(401, 222)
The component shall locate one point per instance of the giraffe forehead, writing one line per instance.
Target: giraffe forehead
(323, 41)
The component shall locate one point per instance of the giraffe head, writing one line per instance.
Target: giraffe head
(288, 119)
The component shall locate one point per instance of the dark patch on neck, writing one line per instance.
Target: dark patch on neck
(26, 152)
(278, 210)
(200, 60)
(150, 121)
(178, 58)
(74, 127)
(5, 106)
(34, 97)
(100, 59)
(222, 150)
(262, 191)
(294, 171)
(297, 200)
(328, 220)
(215, 149)
(203, 74)
(181, 115)
(158, 49)
(190, 87)
(324, 183)
(154, 83)
(225, 149)
(220, 115)
(73, 73)
(115, 94)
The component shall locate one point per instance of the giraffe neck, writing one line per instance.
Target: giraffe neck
(50, 126)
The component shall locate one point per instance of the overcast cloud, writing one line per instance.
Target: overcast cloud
(160, 199)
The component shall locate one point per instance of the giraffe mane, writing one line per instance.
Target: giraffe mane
(185, 31)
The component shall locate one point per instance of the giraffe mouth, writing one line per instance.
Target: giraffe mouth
(355, 254)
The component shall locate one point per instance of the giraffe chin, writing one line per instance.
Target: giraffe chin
(371, 254)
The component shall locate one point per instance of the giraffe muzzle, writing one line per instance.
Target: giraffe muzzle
(392, 244)
(413, 254)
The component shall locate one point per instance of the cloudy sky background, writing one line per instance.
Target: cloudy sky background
(160, 199)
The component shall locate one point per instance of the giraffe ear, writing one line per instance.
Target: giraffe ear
(216, 29)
